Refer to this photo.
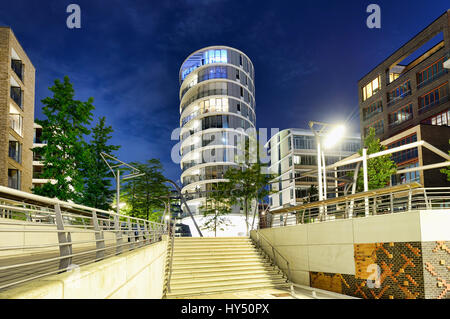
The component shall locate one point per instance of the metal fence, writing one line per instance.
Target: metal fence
(378, 202)
(40, 236)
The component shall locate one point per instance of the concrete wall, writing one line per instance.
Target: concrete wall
(331, 247)
(24, 238)
(132, 275)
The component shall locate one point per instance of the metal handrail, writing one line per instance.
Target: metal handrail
(98, 234)
(172, 243)
(401, 198)
(260, 235)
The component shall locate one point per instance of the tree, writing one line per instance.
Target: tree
(215, 211)
(379, 169)
(63, 130)
(447, 169)
(143, 194)
(97, 190)
(247, 185)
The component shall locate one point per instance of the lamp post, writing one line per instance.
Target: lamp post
(331, 133)
(134, 173)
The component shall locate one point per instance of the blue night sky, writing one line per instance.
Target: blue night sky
(308, 57)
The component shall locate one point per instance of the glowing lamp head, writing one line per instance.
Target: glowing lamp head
(334, 136)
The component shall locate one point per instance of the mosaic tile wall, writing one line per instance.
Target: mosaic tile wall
(406, 271)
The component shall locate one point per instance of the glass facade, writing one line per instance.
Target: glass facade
(406, 155)
(209, 56)
(210, 140)
(434, 97)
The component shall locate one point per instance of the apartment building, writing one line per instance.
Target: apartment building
(437, 136)
(411, 86)
(293, 152)
(217, 106)
(406, 99)
(17, 82)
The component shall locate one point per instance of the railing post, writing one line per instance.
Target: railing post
(131, 237)
(119, 239)
(147, 233)
(374, 208)
(153, 228)
(99, 238)
(409, 200)
(141, 234)
(65, 242)
(392, 202)
(426, 199)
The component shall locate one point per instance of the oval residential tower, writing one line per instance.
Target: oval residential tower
(217, 105)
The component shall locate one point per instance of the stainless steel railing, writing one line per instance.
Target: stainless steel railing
(172, 244)
(377, 202)
(275, 252)
(40, 236)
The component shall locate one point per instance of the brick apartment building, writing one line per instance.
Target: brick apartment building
(17, 82)
(406, 99)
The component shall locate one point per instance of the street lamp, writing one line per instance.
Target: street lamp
(331, 135)
(134, 173)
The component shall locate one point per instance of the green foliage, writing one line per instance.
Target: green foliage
(141, 194)
(63, 130)
(97, 176)
(215, 209)
(447, 169)
(379, 169)
(245, 186)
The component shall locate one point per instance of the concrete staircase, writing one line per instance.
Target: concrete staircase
(217, 265)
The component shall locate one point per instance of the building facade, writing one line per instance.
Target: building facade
(293, 152)
(217, 106)
(17, 82)
(411, 86)
(436, 135)
(406, 99)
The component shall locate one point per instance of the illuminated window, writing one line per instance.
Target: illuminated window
(371, 88)
(399, 92)
(372, 109)
(439, 119)
(403, 114)
(393, 76)
(378, 126)
(434, 97)
(430, 72)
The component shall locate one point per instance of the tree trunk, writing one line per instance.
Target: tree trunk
(246, 213)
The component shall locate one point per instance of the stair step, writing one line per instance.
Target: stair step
(218, 265)
(209, 252)
(205, 239)
(174, 282)
(212, 290)
(193, 247)
(214, 269)
(227, 272)
(226, 283)
(216, 257)
(216, 262)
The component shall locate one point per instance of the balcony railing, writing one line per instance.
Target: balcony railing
(16, 95)
(398, 122)
(432, 79)
(17, 67)
(431, 105)
(398, 98)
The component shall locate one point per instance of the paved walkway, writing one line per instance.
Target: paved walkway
(268, 293)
